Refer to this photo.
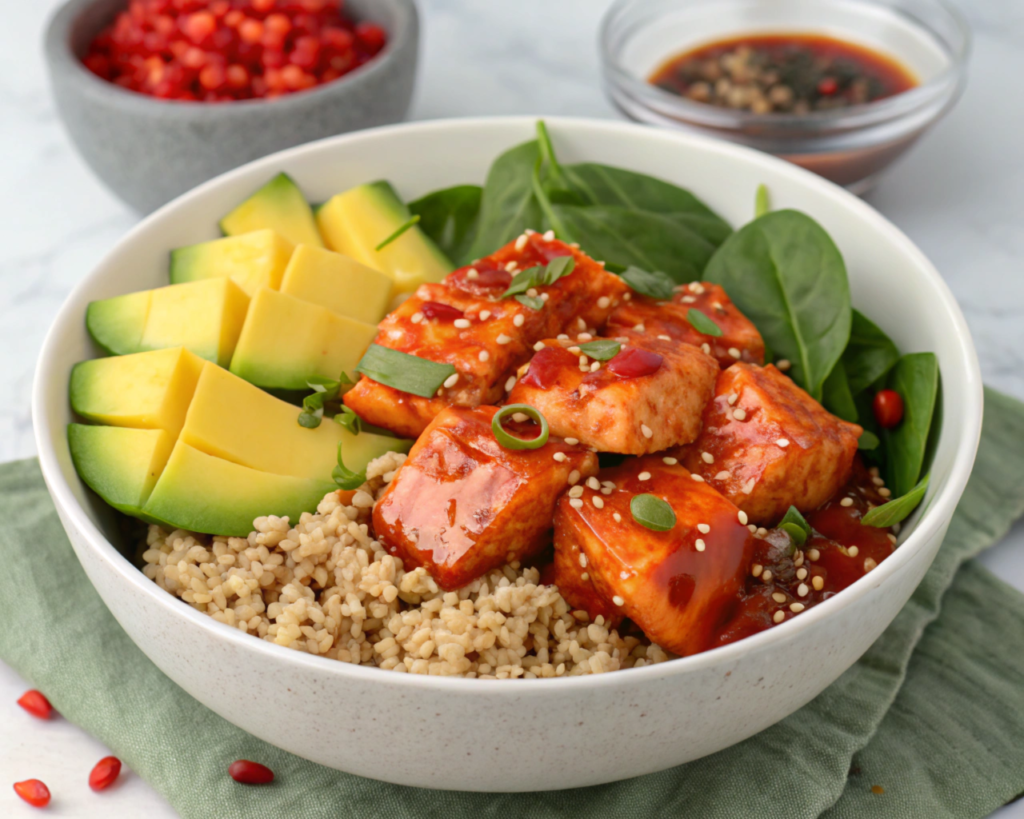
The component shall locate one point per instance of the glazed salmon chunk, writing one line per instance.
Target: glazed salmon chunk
(462, 504)
(740, 340)
(678, 585)
(465, 321)
(645, 396)
(766, 444)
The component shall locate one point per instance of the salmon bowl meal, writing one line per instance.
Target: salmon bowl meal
(563, 417)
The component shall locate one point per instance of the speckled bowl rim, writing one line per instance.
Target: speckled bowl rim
(61, 59)
(935, 516)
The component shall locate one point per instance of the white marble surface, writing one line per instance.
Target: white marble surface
(958, 195)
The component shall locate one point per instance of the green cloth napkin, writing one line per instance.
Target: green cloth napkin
(933, 713)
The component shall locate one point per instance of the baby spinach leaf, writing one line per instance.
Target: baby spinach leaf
(896, 510)
(507, 205)
(916, 378)
(607, 185)
(836, 395)
(449, 216)
(652, 283)
(786, 274)
(867, 441)
(869, 355)
(702, 324)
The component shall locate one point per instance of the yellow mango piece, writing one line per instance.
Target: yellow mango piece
(251, 260)
(337, 282)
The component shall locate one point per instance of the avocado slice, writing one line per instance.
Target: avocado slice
(251, 260)
(357, 221)
(149, 390)
(233, 420)
(202, 493)
(337, 282)
(204, 316)
(286, 341)
(278, 205)
(119, 464)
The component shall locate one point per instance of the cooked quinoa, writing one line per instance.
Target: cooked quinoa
(326, 587)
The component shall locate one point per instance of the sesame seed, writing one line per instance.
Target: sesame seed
(813, 554)
(689, 300)
(696, 477)
(877, 481)
(644, 476)
(503, 339)
(576, 503)
(779, 597)
(752, 528)
(607, 490)
(799, 561)
(574, 350)
(853, 551)
(576, 492)
(618, 601)
(742, 516)
(699, 544)
(617, 516)
(585, 576)
(783, 364)
(472, 274)
(818, 582)
(670, 460)
(885, 492)
(733, 398)
(739, 414)
(549, 236)
(802, 590)
(707, 457)
(783, 442)
(538, 346)
(529, 231)
(595, 366)
(484, 355)
(416, 318)
(451, 380)
(801, 574)
(584, 337)
(604, 302)
(703, 528)
(892, 538)
(665, 338)
(545, 296)
(461, 323)
(584, 361)
(510, 383)
(574, 477)
(846, 502)
(647, 431)
(608, 484)
(521, 242)
(796, 608)
(519, 320)
(766, 575)
(734, 352)
(593, 483)
(756, 569)
(706, 348)
(581, 324)
(724, 475)
(639, 328)
(484, 315)
(779, 616)
(598, 501)
(519, 416)
(748, 487)
(532, 292)
(869, 564)
(583, 561)
(561, 457)
(627, 296)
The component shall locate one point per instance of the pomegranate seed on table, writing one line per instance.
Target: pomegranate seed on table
(888, 408)
(250, 773)
(34, 792)
(36, 704)
(104, 773)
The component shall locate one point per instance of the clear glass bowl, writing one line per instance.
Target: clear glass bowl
(850, 146)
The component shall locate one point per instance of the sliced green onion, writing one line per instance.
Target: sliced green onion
(510, 441)
(402, 229)
(345, 477)
(651, 283)
(652, 512)
(762, 201)
(349, 420)
(533, 302)
(324, 390)
(868, 441)
(796, 526)
(891, 513)
(702, 324)
(603, 349)
(404, 372)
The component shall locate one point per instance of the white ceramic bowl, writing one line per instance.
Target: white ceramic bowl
(522, 734)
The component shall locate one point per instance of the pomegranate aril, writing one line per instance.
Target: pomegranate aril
(104, 773)
(250, 773)
(34, 792)
(36, 704)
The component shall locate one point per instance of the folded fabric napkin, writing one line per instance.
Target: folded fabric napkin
(929, 722)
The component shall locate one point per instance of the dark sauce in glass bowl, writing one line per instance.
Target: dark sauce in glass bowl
(783, 74)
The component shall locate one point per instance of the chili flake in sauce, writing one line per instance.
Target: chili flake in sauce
(783, 73)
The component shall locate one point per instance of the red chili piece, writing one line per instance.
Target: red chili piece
(635, 363)
(250, 773)
(888, 407)
(34, 792)
(545, 367)
(828, 86)
(36, 704)
(439, 311)
(104, 773)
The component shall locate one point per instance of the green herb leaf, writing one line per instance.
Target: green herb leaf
(916, 378)
(869, 355)
(404, 372)
(540, 275)
(349, 420)
(796, 526)
(523, 281)
(702, 324)
(603, 349)
(558, 268)
(652, 512)
(449, 217)
(401, 229)
(310, 417)
(891, 513)
(533, 302)
(345, 477)
(836, 396)
(785, 273)
(762, 201)
(867, 441)
(510, 441)
(653, 283)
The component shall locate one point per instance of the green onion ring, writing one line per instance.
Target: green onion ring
(510, 441)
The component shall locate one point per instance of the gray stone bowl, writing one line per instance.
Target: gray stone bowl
(149, 151)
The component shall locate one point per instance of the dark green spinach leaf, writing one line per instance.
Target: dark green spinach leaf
(916, 378)
(869, 355)
(449, 217)
(896, 510)
(836, 395)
